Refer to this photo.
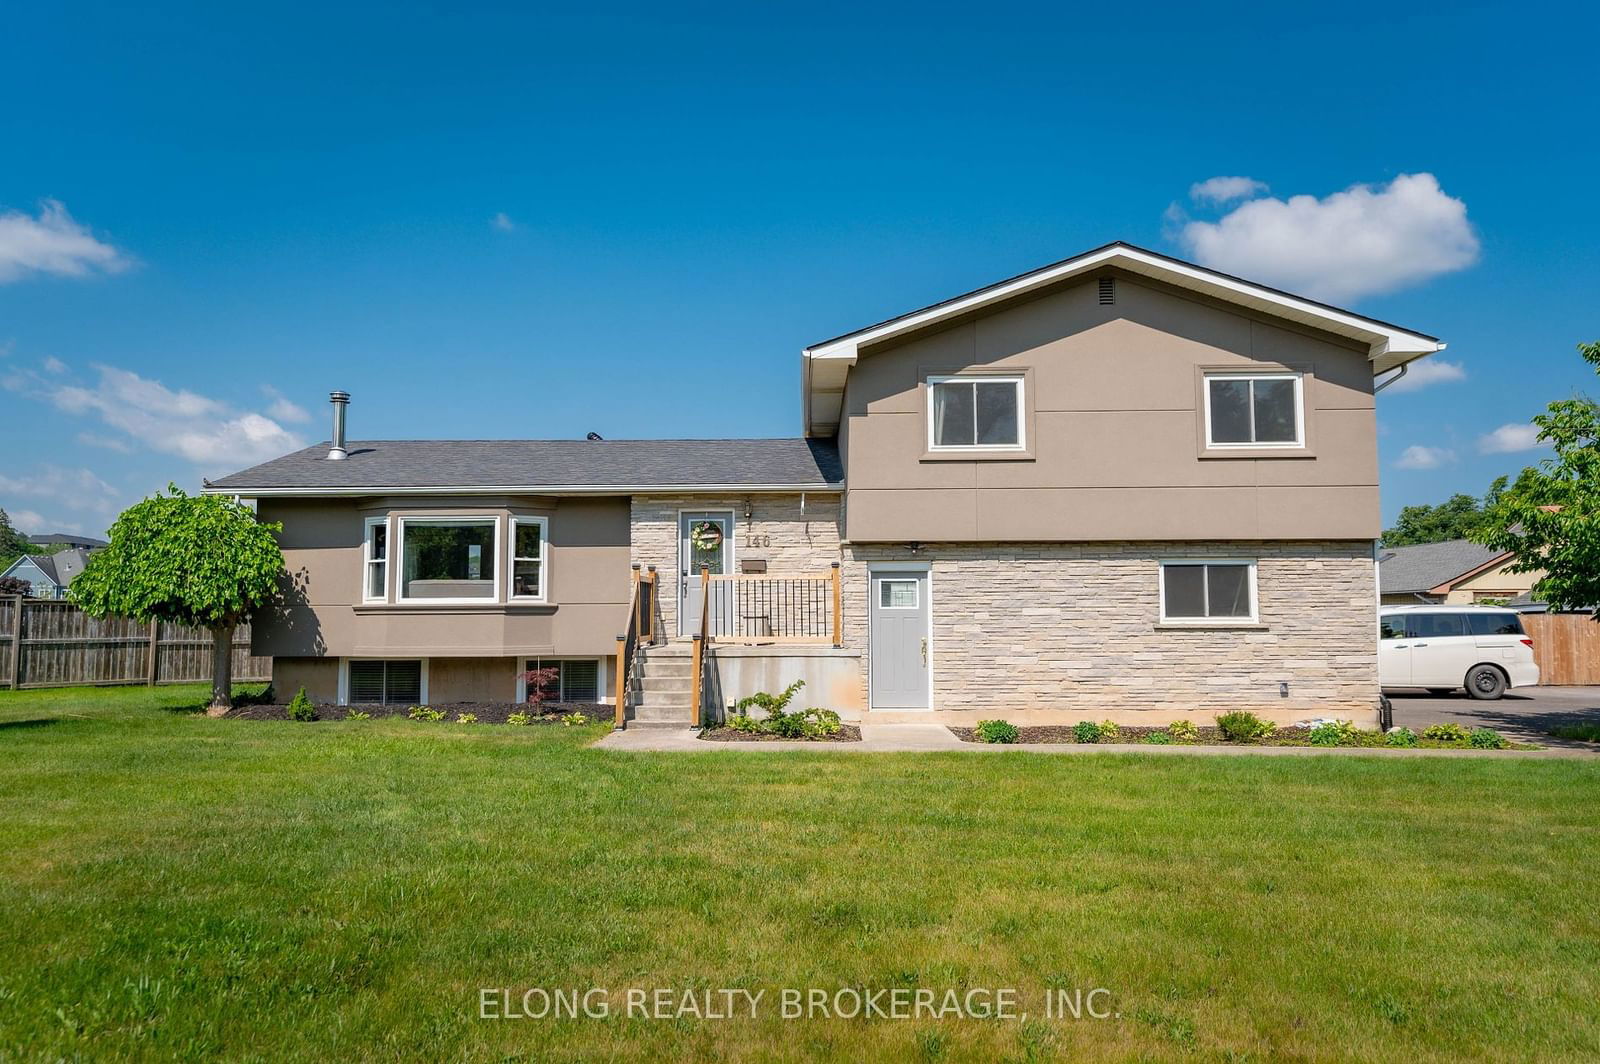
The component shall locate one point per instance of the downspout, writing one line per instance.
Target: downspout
(1404, 366)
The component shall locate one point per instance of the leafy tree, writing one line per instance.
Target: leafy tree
(199, 560)
(13, 544)
(1551, 515)
(1457, 518)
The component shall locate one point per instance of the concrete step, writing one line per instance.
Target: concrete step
(665, 685)
(658, 725)
(664, 669)
(662, 714)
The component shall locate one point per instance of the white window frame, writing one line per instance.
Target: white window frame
(398, 551)
(599, 678)
(1209, 622)
(889, 578)
(368, 561)
(544, 559)
(1015, 379)
(342, 695)
(1299, 410)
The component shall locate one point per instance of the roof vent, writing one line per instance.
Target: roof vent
(1108, 291)
(594, 437)
(336, 451)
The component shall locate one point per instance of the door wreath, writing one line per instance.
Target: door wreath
(705, 536)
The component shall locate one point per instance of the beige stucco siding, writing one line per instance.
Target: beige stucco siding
(793, 537)
(1029, 628)
(1115, 447)
(323, 615)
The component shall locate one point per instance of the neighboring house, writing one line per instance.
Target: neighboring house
(1454, 571)
(1121, 486)
(62, 539)
(50, 574)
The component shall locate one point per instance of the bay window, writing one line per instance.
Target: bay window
(375, 555)
(448, 559)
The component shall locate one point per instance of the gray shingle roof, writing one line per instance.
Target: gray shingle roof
(1427, 565)
(534, 464)
(63, 566)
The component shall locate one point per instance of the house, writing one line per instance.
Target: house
(65, 539)
(1120, 486)
(50, 574)
(1454, 571)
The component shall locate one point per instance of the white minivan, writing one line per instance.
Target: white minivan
(1443, 648)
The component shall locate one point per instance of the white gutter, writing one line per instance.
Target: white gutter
(523, 489)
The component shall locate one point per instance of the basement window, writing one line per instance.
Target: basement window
(385, 682)
(1211, 590)
(578, 680)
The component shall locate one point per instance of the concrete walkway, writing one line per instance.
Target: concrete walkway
(934, 738)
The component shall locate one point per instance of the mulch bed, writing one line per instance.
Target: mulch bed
(1210, 736)
(487, 712)
(847, 733)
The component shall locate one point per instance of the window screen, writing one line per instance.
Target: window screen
(976, 412)
(1253, 410)
(578, 680)
(1204, 590)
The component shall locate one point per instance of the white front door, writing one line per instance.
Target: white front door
(900, 610)
(705, 542)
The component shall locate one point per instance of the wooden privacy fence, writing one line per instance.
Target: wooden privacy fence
(49, 643)
(1566, 647)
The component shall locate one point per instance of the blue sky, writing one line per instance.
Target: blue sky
(502, 221)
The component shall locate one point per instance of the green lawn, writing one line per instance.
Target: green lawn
(178, 886)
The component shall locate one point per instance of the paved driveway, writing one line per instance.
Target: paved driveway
(1525, 713)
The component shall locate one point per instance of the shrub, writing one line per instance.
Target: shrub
(1334, 733)
(1184, 731)
(521, 720)
(821, 723)
(1486, 739)
(466, 718)
(300, 707)
(1158, 738)
(574, 720)
(426, 713)
(1241, 726)
(785, 725)
(1109, 732)
(1587, 731)
(1086, 731)
(1401, 737)
(356, 714)
(771, 703)
(1445, 733)
(997, 731)
(744, 722)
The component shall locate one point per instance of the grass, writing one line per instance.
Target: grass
(1587, 731)
(175, 886)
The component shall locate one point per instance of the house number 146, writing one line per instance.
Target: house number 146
(753, 540)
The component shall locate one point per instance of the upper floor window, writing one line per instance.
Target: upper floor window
(1254, 410)
(375, 556)
(975, 413)
(447, 559)
(527, 557)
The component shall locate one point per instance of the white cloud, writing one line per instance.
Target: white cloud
(52, 364)
(52, 243)
(1419, 457)
(108, 443)
(282, 408)
(1509, 439)
(1428, 371)
(502, 221)
(76, 489)
(1225, 189)
(1359, 242)
(33, 523)
(156, 418)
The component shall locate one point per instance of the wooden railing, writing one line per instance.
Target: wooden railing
(641, 629)
(758, 608)
(697, 668)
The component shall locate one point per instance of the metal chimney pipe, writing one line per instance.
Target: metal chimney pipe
(340, 400)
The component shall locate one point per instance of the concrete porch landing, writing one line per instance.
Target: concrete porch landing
(933, 738)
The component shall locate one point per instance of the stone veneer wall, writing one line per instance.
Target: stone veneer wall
(791, 541)
(1020, 627)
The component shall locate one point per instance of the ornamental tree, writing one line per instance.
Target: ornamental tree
(203, 561)
(1551, 515)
